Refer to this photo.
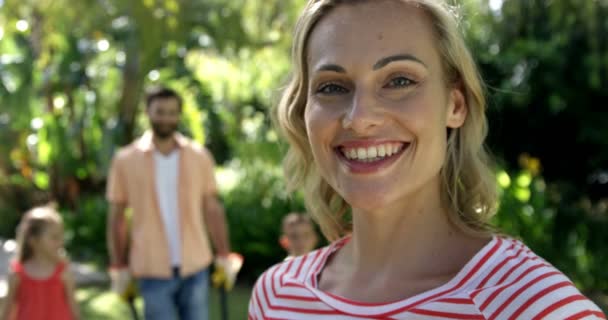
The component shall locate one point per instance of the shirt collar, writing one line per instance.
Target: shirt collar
(146, 142)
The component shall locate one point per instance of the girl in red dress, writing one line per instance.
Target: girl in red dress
(40, 284)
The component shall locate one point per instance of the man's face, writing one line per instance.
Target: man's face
(164, 115)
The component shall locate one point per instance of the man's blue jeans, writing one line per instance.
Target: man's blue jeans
(176, 298)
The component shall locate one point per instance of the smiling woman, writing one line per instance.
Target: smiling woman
(385, 115)
(406, 73)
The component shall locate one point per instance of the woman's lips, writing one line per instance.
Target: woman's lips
(369, 157)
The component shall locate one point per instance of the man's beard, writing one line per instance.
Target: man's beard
(163, 131)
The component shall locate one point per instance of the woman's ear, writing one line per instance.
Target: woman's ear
(457, 109)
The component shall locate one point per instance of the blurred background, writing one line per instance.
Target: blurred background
(71, 81)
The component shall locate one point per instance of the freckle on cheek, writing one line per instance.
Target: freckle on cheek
(380, 36)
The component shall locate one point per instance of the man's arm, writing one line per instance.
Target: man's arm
(117, 235)
(215, 220)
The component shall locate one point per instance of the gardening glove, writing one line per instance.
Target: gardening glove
(121, 281)
(226, 269)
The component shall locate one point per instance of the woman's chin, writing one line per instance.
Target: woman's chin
(366, 201)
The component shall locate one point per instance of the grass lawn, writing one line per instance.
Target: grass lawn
(101, 304)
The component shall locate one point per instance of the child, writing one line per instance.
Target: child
(40, 285)
(299, 236)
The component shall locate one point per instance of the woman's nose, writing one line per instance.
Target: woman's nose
(363, 114)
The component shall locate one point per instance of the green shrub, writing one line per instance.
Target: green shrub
(255, 207)
(85, 229)
(557, 223)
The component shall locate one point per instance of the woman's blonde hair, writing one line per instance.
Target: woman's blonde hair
(468, 184)
(32, 225)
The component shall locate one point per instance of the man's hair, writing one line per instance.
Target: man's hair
(161, 92)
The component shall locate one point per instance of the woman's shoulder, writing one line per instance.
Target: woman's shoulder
(288, 284)
(516, 264)
(521, 284)
(295, 270)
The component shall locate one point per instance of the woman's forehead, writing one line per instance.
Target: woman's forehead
(369, 30)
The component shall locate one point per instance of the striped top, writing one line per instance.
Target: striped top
(504, 280)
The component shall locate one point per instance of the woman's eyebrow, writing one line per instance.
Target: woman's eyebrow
(331, 67)
(398, 57)
(378, 65)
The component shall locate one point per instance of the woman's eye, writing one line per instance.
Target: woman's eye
(399, 82)
(331, 88)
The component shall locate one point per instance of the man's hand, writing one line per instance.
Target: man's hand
(121, 280)
(226, 269)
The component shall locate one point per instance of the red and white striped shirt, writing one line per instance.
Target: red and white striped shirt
(504, 280)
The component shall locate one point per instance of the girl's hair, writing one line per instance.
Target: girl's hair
(32, 225)
(468, 188)
(294, 219)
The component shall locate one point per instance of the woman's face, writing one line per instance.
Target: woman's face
(378, 106)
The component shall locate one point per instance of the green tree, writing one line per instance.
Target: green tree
(546, 67)
(72, 81)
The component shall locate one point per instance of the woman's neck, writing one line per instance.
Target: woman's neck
(400, 250)
(401, 238)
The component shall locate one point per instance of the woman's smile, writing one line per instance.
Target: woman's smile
(367, 156)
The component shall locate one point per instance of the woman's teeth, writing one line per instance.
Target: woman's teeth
(372, 153)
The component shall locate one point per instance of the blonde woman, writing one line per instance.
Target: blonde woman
(385, 118)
